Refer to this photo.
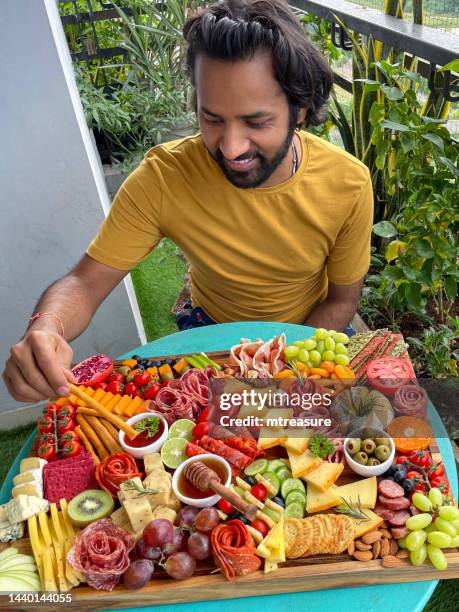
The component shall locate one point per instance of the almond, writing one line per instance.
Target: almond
(351, 547)
(376, 549)
(385, 547)
(386, 534)
(391, 561)
(371, 537)
(361, 546)
(362, 555)
(393, 547)
(403, 553)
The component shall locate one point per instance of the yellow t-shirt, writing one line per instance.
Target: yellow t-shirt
(255, 254)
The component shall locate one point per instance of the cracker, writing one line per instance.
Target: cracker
(292, 534)
(317, 534)
(301, 548)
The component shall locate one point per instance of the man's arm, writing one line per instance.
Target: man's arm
(339, 307)
(38, 367)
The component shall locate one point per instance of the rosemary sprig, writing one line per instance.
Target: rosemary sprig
(131, 485)
(352, 510)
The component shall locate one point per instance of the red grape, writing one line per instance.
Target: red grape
(180, 565)
(187, 515)
(178, 542)
(158, 533)
(206, 520)
(138, 574)
(148, 552)
(199, 545)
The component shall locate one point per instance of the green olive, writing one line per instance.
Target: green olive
(382, 441)
(373, 461)
(382, 452)
(124, 370)
(368, 446)
(353, 445)
(361, 458)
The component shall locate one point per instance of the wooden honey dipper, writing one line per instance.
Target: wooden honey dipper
(205, 478)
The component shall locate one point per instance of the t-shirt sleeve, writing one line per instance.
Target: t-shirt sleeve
(132, 228)
(349, 258)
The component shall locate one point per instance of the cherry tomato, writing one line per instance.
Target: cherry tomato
(401, 459)
(132, 390)
(50, 438)
(151, 391)
(414, 475)
(261, 526)
(437, 479)
(259, 491)
(201, 429)
(64, 425)
(225, 506)
(101, 385)
(52, 409)
(47, 451)
(66, 411)
(46, 424)
(421, 487)
(116, 387)
(142, 379)
(70, 449)
(421, 458)
(69, 436)
(165, 383)
(204, 416)
(116, 376)
(437, 470)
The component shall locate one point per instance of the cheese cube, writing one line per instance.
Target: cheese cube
(325, 475)
(318, 500)
(32, 489)
(304, 463)
(32, 463)
(164, 512)
(24, 506)
(139, 513)
(120, 517)
(173, 502)
(152, 461)
(127, 492)
(161, 481)
(9, 532)
(25, 477)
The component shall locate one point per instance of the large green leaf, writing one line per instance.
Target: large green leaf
(394, 249)
(451, 287)
(384, 229)
(392, 93)
(453, 66)
(423, 248)
(413, 295)
(391, 125)
(434, 139)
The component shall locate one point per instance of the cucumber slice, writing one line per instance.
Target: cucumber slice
(273, 479)
(283, 473)
(291, 484)
(275, 516)
(294, 510)
(259, 466)
(295, 495)
(276, 464)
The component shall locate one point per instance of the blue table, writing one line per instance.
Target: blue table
(387, 598)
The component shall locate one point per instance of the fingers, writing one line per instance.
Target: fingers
(17, 385)
(53, 359)
(31, 374)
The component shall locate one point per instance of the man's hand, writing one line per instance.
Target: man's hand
(39, 367)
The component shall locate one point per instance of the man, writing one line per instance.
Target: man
(275, 222)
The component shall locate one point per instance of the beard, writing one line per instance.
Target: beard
(257, 176)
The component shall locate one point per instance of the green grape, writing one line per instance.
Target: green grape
(303, 355)
(456, 524)
(330, 344)
(430, 528)
(340, 337)
(321, 333)
(449, 513)
(299, 344)
(422, 503)
(315, 357)
(402, 542)
(418, 522)
(455, 542)
(445, 526)
(340, 349)
(309, 344)
(331, 332)
(328, 356)
(417, 557)
(440, 539)
(291, 351)
(435, 497)
(320, 346)
(342, 359)
(415, 539)
(437, 557)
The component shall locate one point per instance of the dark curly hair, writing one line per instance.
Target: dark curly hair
(237, 29)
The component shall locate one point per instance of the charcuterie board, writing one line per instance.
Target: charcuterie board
(307, 573)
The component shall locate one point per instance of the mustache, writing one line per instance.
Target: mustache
(249, 155)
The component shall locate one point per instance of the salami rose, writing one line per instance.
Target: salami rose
(115, 470)
(101, 553)
(411, 400)
(234, 550)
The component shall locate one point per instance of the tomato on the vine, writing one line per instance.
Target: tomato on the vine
(116, 387)
(421, 487)
(401, 459)
(69, 436)
(64, 425)
(151, 391)
(132, 390)
(72, 448)
(66, 411)
(51, 409)
(421, 458)
(438, 469)
(46, 424)
(142, 379)
(115, 377)
(47, 451)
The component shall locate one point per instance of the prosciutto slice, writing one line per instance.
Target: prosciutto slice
(258, 359)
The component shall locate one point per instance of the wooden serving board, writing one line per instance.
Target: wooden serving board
(307, 574)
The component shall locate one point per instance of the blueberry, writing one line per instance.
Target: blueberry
(278, 500)
(251, 481)
(240, 517)
(155, 363)
(408, 486)
(390, 471)
(136, 357)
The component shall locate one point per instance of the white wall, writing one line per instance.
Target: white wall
(52, 191)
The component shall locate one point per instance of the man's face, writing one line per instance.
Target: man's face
(245, 120)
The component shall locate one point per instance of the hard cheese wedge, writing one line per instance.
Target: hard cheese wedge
(325, 475)
(272, 547)
(365, 491)
(304, 463)
(318, 500)
(296, 445)
(362, 527)
(265, 442)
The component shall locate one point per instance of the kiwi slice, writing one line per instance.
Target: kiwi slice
(90, 506)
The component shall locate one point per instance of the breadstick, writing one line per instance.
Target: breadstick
(91, 412)
(111, 429)
(104, 435)
(87, 444)
(93, 438)
(130, 431)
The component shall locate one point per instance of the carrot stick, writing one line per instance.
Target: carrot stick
(93, 438)
(87, 444)
(130, 431)
(92, 412)
(104, 435)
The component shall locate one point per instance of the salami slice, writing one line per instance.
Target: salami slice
(394, 503)
(234, 550)
(411, 400)
(232, 455)
(399, 532)
(389, 488)
(384, 513)
(399, 519)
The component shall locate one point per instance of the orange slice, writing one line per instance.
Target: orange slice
(410, 433)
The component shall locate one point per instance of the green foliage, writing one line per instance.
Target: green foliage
(435, 350)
